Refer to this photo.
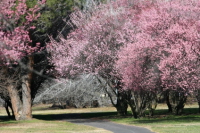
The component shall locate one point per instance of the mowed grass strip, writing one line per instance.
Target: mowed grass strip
(42, 125)
(163, 122)
(170, 124)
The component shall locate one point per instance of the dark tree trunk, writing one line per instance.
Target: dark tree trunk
(7, 106)
(176, 101)
(141, 101)
(168, 102)
(133, 108)
(152, 106)
(197, 93)
(7, 110)
(199, 106)
(122, 104)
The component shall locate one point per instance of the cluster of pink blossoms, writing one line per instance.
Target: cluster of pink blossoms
(15, 42)
(149, 44)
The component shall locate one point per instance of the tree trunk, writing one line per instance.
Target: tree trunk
(168, 102)
(121, 106)
(197, 93)
(26, 98)
(177, 101)
(152, 106)
(15, 101)
(7, 106)
(21, 101)
(133, 108)
(22, 110)
(7, 110)
(141, 101)
(199, 106)
(26, 89)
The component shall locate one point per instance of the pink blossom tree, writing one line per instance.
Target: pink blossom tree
(149, 46)
(180, 63)
(140, 74)
(92, 46)
(16, 49)
(169, 37)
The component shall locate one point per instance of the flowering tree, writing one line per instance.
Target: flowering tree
(165, 51)
(15, 41)
(140, 74)
(16, 49)
(149, 46)
(180, 64)
(92, 46)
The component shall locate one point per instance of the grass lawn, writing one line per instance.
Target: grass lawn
(44, 121)
(40, 126)
(162, 122)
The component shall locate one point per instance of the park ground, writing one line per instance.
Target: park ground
(46, 119)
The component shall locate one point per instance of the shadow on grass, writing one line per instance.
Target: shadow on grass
(5, 120)
(180, 119)
(161, 115)
(99, 115)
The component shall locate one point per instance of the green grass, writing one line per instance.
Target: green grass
(40, 126)
(50, 120)
(44, 122)
(163, 122)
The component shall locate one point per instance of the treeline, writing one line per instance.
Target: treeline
(143, 49)
(139, 50)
